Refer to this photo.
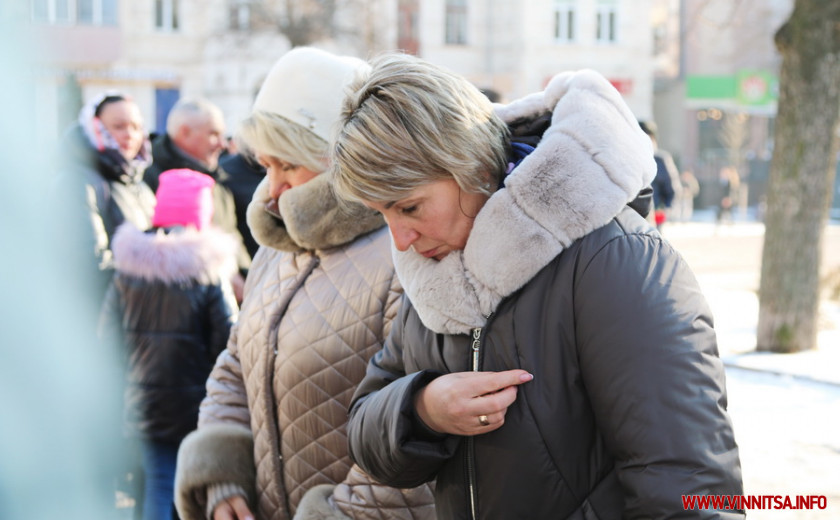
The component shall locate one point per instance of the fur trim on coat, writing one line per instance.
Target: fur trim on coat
(215, 453)
(179, 256)
(592, 161)
(313, 218)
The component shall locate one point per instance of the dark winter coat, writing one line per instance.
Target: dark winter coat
(172, 306)
(243, 177)
(167, 156)
(666, 183)
(627, 409)
(98, 192)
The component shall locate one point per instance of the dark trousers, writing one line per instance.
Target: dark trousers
(159, 466)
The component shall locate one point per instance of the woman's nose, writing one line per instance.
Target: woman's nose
(276, 185)
(403, 236)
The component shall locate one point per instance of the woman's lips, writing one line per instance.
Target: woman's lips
(430, 253)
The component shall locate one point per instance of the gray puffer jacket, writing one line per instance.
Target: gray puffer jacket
(319, 301)
(627, 409)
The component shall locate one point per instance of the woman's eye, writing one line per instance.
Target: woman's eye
(409, 209)
(289, 167)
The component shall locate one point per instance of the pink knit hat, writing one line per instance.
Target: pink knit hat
(184, 197)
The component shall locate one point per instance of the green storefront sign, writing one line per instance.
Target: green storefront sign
(748, 88)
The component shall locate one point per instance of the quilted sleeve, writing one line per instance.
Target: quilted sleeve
(226, 400)
(381, 431)
(360, 497)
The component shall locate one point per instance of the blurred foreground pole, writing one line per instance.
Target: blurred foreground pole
(59, 392)
(801, 176)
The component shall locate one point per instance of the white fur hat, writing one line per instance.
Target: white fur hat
(306, 86)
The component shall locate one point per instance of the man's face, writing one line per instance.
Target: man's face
(202, 138)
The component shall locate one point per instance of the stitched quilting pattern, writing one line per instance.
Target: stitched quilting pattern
(333, 324)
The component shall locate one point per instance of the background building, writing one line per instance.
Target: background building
(715, 100)
(704, 70)
(160, 50)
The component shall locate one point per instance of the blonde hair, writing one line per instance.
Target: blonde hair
(407, 123)
(265, 133)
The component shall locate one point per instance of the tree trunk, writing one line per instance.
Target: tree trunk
(801, 176)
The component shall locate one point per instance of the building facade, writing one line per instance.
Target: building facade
(715, 100)
(160, 50)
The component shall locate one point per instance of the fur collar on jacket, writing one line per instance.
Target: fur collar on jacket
(592, 161)
(313, 219)
(179, 256)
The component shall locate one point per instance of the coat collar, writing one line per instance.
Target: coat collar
(591, 161)
(312, 218)
(176, 255)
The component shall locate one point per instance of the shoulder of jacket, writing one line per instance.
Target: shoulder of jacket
(626, 225)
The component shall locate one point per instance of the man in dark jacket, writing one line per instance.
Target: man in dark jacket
(194, 139)
(243, 176)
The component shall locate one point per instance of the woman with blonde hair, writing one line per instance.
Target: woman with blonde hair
(554, 357)
(319, 301)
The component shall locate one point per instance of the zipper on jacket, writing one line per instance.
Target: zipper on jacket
(475, 364)
(269, 397)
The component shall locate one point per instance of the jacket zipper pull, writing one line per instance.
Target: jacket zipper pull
(476, 348)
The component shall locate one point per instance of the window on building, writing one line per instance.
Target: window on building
(62, 12)
(240, 15)
(564, 20)
(84, 12)
(407, 33)
(71, 12)
(166, 15)
(109, 12)
(456, 22)
(606, 19)
(40, 11)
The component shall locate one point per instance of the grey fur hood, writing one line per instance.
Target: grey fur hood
(592, 161)
(179, 256)
(313, 219)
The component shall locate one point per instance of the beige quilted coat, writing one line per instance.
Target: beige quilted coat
(319, 299)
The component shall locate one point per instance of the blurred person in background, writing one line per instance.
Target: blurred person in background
(103, 157)
(553, 357)
(194, 139)
(100, 186)
(59, 393)
(319, 302)
(666, 185)
(684, 208)
(727, 186)
(170, 307)
(244, 174)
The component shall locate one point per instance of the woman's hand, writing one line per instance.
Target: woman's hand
(233, 508)
(469, 403)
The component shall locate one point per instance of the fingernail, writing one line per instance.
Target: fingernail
(526, 377)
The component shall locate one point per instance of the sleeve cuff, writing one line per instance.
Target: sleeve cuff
(217, 493)
(420, 430)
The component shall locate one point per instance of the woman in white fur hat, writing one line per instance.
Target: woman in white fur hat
(319, 300)
(553, 356)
